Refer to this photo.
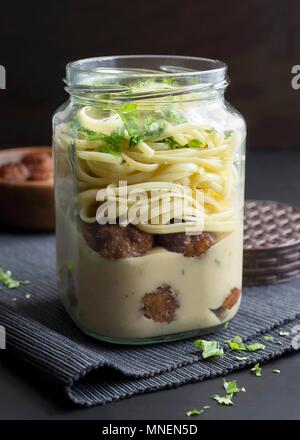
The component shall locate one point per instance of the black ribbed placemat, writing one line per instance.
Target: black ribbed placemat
(40, 333)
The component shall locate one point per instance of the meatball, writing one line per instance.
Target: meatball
(228, 303)
(40, 165)
(115, 241)
(14, 172)
(160, 305)
(189, 245)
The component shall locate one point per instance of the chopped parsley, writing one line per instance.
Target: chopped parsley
(224, 400)
(194, 412)
(172, 143)
(172, 115)
(113, 141)
(232, 388)
(195, 143)
(241, 358)
(8, 281)
(127, 112)
(268, 338)
(281, 333)
(236, 344)
(256, 370)
(209, 348)
(255, 347)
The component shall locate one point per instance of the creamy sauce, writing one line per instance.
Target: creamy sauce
(105, 296)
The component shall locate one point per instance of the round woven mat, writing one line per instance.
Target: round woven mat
(271, 242)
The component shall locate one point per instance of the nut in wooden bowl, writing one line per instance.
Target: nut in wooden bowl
(26, 189)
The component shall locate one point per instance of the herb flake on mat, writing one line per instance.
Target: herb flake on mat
(224, 400)
(194, 412)
(231, 387)
(256, 370)
(281, 333)
(8, 281)
(209, 348)
(237, 344)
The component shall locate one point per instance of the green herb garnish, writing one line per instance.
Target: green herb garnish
(224, 400)
(195, 143)
(127, 112)
(171, 115)
(236, 344)
(255, 347)
(268, 338)
(194, 412)
(241, 358)
(256, 370)
(209, 348)
(8, 281)
(232, 388)
(281, 333)
(172, 143)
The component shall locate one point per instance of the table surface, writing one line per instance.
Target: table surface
(270, 175)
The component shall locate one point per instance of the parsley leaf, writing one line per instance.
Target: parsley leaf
(255, 347)
(231, 387)
(8, 281)
(195, 143)
(224, 400)
(256, 370)
(241, 358)
(194, 412)
(127, 112)
(172, 143)
(281, 333)
(236, 344)
(172, 115)
(209, 348)
(268, 338)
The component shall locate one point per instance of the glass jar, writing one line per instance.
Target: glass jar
(149, 183)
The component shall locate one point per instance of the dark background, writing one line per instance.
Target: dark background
(259, 39)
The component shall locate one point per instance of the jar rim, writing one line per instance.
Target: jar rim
(108, 65)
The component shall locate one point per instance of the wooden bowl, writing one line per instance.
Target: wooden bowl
(27, 205)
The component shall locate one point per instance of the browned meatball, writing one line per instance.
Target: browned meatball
(40, 165)
(228, 303)
(115, 241)
(14, 172)
(189, 245)
(160, 305)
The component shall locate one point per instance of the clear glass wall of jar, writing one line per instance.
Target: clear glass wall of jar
(157, 126)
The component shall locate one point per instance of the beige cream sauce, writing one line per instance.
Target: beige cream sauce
(109, 292)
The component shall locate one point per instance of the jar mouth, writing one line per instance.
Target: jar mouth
(126, 66)
(161, 75)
